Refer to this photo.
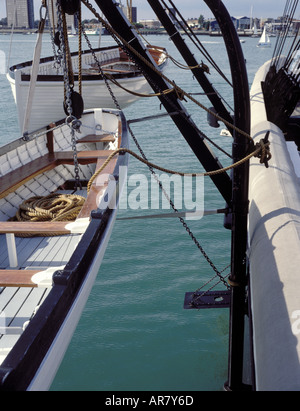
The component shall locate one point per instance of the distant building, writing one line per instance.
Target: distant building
(192, 22)
(243, 23)
(214, 25)
(133, 16)
(151, 24)
(20, 13)
(240, 23)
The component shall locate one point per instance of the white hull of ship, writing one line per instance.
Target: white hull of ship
(274, 253)
(47, 106)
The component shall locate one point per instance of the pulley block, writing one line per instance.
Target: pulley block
(77, 105)
(57, 39)
(70, 6)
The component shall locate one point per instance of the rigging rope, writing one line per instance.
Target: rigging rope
(187, 29)
(261, 151)
(289, 12)
(53, 207)
(257, 152)
(180, 91)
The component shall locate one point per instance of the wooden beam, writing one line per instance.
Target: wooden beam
(94, 138)
(17, 278)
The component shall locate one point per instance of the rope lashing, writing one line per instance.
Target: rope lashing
(66, 207)
(164, 92)
(262, 151)
(264, 154)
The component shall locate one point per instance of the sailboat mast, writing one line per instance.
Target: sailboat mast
(240, 181)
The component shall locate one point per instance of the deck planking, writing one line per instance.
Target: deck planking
(17, 313)
(18, 304)
(33, 253)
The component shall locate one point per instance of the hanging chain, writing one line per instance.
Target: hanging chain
(57, 58)
(116, 103)
(71, 120)
(184, 224)
(79, 50)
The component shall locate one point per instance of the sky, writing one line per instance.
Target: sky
(194, 8)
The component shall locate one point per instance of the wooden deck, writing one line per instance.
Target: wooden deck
(18, 301)
(14, 316)
(20, 296)
(9, 182)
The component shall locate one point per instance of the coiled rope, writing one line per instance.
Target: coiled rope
(53, 207)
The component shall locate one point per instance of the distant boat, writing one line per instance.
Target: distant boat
(73, 32)
(94, 32)
(264, 41)
(225, 132)
(255, 32)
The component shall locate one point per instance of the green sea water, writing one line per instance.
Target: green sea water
(134, 334)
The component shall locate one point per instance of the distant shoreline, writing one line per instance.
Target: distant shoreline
(245, 33)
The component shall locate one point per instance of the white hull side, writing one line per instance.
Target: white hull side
(48, 98)
(49, 367)
(274, 241)
(85, 250)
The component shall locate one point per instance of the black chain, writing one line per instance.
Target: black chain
(71, 120)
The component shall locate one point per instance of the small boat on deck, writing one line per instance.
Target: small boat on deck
(49, 262)
(48, 96)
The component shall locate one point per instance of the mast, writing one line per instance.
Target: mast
(171, 101)
(190, 60)
(235, 193)
(240, 178)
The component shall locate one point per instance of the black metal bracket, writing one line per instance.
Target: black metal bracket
(207, 299)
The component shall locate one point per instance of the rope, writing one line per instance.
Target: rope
(262, 151)
(54, 207)
(66, 207)
(177, 63)
(116, 83)
(180, 91)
